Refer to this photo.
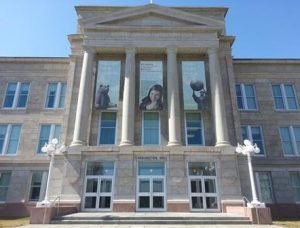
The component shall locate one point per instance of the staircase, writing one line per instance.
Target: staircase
(151, 218)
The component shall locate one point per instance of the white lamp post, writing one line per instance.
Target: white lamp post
(53, 148)
(249, 149)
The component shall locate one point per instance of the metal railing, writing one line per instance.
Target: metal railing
(245, 200)
(56, 203)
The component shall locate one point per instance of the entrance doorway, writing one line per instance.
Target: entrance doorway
(203, 186)
(151, 186)
(98, 190)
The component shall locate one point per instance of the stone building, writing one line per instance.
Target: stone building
(151, 105)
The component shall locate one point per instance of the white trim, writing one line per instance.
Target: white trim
(284, 97)
(16, 96)
(244, 97)
(99, 128)
(159, 128)
(202, 129)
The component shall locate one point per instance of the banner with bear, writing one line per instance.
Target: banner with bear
(108, 84)
(151, 89)
(194, 85)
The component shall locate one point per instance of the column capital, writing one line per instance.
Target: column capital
(88, 49)
(212, 51)
(130, 50)
(171, 49)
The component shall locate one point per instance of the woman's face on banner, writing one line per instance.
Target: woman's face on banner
(154, 95)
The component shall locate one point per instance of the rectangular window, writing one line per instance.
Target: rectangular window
(284, 97)
(4, 183)
(9, 138)
(254, 134)
(264, 184)
(16, 95)
(246, 97)
(290, 139)
(194, 129)
(38, 185)
(47, 133)
(108, 128)
(56, 94)
(295, 181)
(151, 128)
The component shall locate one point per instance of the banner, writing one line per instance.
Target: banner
(108, 84)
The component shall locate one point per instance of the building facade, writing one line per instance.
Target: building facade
(151, 105)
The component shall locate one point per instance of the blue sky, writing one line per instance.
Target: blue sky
(263, 28)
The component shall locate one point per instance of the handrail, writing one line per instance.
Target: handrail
(256, 212)
(54, 202)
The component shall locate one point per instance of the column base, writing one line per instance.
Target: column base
(175, 143)
(222, 143)
(126, 143)
(77, 143)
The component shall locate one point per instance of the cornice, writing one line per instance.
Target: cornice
(49, 60)
(266, 61)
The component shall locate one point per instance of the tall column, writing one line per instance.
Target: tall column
(127, 136)
(218, 103)
(84, 100)
(173, 98)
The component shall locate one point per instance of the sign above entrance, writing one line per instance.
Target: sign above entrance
(152, 158)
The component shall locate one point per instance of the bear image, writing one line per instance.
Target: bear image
(102, 98)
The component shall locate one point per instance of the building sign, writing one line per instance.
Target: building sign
(194, 85)
(151, 158)
(151, 80)
(108, 85)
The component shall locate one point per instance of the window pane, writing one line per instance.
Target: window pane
(106, 185)
(108, 128)
(290, 96)
(194, 129)
(202, 169)
(295, 180)
(250, 96)
(23, 95)
(44, 137)
(286, 141)
(4, 183)
(278, 99)
(51, 94)
(36, 182)
(100, 168)
(10, 94)
(90, 202)
(285, 134)
(144, 186)
(239, 96)
(158, 186)
(158, 202)
(196, 186)
(297, 137)
(210, 186)
(151, 128)
(211, 203)
(57, 130)
(91, 185)
(244, 133)
(276, 91)
(279, 103)
(104, 202)
(62, 95)
(3, 129)
(14, 139)
(152, 168)
(249, 91)
(251, 102)
(265, 187)
(197, 202)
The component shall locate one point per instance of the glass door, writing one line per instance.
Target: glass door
(151, 187)
(98, 191)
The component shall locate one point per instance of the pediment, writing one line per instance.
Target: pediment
(150, 15)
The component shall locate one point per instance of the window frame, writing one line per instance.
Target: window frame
(16, 96)
(296, 153)
(6, 186)
(159, 128)
(99, 128)
(249, 134)
(57, 96)
(42, 186)
(293, 187)
(257, 173)
(50, 137)
(202, 129)
(7, 139)
(284, 98)
(244, 97)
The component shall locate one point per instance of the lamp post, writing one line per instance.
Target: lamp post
(249, 149)
(52, 149)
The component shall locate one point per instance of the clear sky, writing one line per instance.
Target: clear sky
(263, 28)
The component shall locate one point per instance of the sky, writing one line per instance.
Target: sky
(39, 28)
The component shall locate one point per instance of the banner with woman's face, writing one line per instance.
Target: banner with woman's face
(151, 81)
(108, 84)
(194, 85)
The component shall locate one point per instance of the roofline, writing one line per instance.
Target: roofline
(266, 61)
(4, 59)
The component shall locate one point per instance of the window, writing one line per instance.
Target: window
(151, 128)
(47, 133)
(38, 185)
(254, 134)
(290, 139)
(194, 129)
(284, 97)
(56, 95)
(295, 180)
(16, 95)
(4, 183)
(9, 138)
(107, 128)
(264, 184)
(245, 95)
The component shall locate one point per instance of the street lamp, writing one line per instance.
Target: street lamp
(52, 149)
(249, 149)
